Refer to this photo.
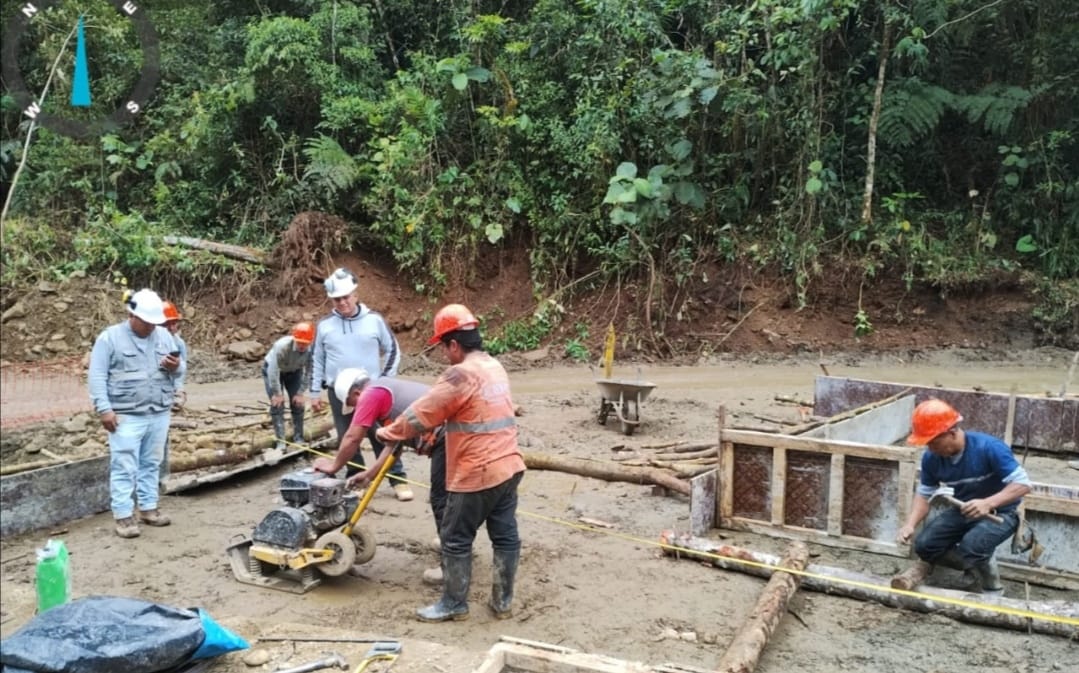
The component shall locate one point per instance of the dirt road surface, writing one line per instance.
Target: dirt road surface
(608, 592)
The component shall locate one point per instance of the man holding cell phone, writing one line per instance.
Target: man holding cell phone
(134, 369)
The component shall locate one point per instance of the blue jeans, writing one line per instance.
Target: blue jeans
(136, 450)
(466, 512)
(974, 539)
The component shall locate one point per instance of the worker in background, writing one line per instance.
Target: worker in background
(353, 336)
(134, 366)
(483, 463)
(985, 476)
(286, 373)
(172, 324)
(374, 404)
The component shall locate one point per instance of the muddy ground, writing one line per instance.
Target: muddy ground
(606, 592)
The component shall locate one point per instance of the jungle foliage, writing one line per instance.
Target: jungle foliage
(626, 138)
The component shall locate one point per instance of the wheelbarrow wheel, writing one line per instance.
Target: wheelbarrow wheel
(628, 428)
(604, 411)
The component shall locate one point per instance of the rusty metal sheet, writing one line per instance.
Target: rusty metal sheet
(806, 493)
(752, 487)
(1048, 424)
(870, 497)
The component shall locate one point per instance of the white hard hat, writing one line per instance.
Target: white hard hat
(341, 283)
(346, 380)
(146, 305)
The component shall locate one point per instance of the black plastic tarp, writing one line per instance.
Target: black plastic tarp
(107, 634)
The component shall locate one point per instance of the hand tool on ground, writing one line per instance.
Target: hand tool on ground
(333, 661)
(381, 651)
(947, 494)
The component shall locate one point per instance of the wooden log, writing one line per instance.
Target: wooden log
(683, 448)
(749, 642)
(182, 424)
(607, 471)
(1058, 618)
(30, 465)
(234, 251)
(228, 455)
(790, 399)
(710, 452)
(912, 576)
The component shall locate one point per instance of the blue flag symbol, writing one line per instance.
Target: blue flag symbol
(80, 86)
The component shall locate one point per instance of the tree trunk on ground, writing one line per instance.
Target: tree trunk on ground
(234, 251)
(182, 461)
(607, 471)
(1058, 618)
(745, 650)
(912, 576)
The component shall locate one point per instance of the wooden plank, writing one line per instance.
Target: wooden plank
(1046, 577)
(779, 488)
(769, 440)
(907, 471)
(815, 536)
(702, 502)
(1042, 503)
(836, 480)
(725, 494)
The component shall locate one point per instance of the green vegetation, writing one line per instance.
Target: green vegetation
(639, 139)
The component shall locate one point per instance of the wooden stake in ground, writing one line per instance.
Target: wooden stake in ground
(748, 644)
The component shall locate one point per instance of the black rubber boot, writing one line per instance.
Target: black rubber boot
(503, 571)
(988, 575)
(278, 417)
(456, 577)
(951, 559)
(297, 425)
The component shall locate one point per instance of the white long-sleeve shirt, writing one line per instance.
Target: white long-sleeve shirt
(362, 340)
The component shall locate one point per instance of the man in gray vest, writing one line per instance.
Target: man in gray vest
(134, 369)
(376, 403)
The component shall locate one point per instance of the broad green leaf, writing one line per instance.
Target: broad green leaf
(494, 232)
(681, 149)
(1026, 244)
(460, 81)
(513, 204)
(524, 122)
(627, 169)
(815, 166)
(708, 94)
(644, 187)
(813, 185)
(614, 192)
(1012, 179)
(679, 110)
(658, 172)
(628, 195)
(619, 216)
(689, 194)
(478, 74)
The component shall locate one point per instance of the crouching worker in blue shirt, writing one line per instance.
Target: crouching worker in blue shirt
(986, 479)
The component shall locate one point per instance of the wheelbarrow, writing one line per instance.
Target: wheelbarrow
(624, 398)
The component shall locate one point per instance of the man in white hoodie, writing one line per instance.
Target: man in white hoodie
(353, 336)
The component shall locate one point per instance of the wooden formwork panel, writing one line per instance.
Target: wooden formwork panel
(831, 492)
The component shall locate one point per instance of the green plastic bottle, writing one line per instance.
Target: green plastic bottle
(53, 576)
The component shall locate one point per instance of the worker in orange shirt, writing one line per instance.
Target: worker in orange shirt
(483, 463)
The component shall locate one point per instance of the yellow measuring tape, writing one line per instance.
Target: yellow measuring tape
(999, 609)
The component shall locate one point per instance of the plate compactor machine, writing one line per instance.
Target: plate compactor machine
(315, 533)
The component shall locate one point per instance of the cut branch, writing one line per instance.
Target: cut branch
(607, 471)
(233, 251)
(745, 650)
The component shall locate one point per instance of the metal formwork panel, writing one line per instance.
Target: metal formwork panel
(806, 494)
(870, 498)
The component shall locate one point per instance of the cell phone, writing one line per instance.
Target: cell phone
(175, 354)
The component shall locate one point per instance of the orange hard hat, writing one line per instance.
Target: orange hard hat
(930, 419)
(451, 318)
(303, 332)
(171, 313)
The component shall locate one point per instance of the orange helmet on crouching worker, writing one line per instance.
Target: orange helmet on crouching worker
(451, 318)
(171, 312)
(303, 332)
(931, 418)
